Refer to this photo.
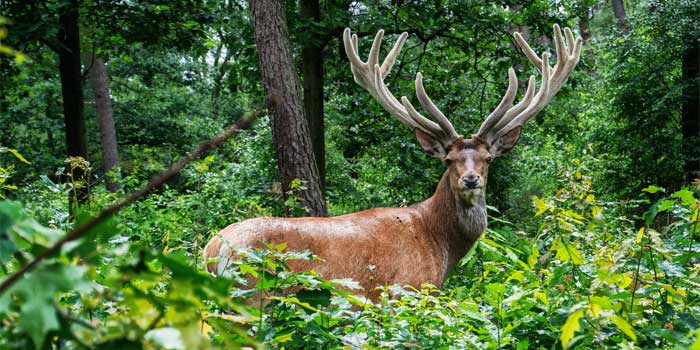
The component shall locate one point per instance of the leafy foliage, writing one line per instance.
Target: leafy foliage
(593, 240)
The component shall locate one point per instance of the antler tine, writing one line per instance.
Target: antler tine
(537, 104)
(429, 106)
(527, 98)
(370, 75)
(568, 51)
(503, 106)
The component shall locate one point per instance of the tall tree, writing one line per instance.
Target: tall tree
(312, 71)
(618, 7)
(290, 132)
(99, 80)
(584, 15)
(72, 88)
(691, 111)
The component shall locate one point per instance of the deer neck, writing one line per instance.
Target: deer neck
(453, 224)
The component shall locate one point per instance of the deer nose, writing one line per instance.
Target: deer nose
(471, 181)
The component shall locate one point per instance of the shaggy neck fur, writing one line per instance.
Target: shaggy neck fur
(453, 224)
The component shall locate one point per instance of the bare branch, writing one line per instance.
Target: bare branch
(84, 229)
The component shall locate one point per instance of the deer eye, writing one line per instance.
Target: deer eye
(447, 161)
(489, 159)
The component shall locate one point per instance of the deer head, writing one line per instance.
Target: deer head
(467, 159)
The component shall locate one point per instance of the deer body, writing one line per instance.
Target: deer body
(412, 245)
(421, 243)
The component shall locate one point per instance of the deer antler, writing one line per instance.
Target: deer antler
(507, 117)
(370, 75)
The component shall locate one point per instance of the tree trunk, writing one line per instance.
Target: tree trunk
(584, 24)
(290, 132)
(312, 70)
(691, 111)
(105, 121)
(618, 7)
(72, 91)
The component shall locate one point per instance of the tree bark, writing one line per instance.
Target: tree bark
(72, 91)
(691, 111)
(618, 7)
(105, 121)
(312, 71)
(584, 23)
(290, 132)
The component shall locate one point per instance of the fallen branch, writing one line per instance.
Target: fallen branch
(156, 181)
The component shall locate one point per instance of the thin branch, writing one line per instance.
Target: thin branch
(84, 229)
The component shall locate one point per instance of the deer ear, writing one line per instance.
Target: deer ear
(430, 145)
(506, 142)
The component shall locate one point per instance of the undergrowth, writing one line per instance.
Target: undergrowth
(582, 275)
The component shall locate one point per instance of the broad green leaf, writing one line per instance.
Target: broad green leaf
(540, 205)
(566, 251)
(319, 297)
(570, 327)
(696, 343)
(542, 297)
(7, 248)
(622, 280)
(594, 310)
(602, 301)
(623, 326)
(685, 196)
(516, 275)
(651, 213)
(281, 247)
(653, 189)
(252, 270)
(37, 292)
(38, 318)
(533, 257)
(666, 204)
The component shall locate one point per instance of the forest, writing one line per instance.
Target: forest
(133, 132)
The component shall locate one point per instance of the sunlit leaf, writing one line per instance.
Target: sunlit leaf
(570, 327)
(653, 189)
(687, 198)
(623, 326)
(566, 251)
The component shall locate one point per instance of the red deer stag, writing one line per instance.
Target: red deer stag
(423, 242)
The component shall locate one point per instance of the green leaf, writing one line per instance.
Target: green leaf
(38, 318)
(34, 296)
(685, 196)
(666, 204)
(570, 327)
(696, 344)
(15, 153)
(653, 189)
(650, 214)
(318, 297)
(7, 248)
(533, 257)
(566, 251)
(266, 281)
(540, 205)
(623, 326)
